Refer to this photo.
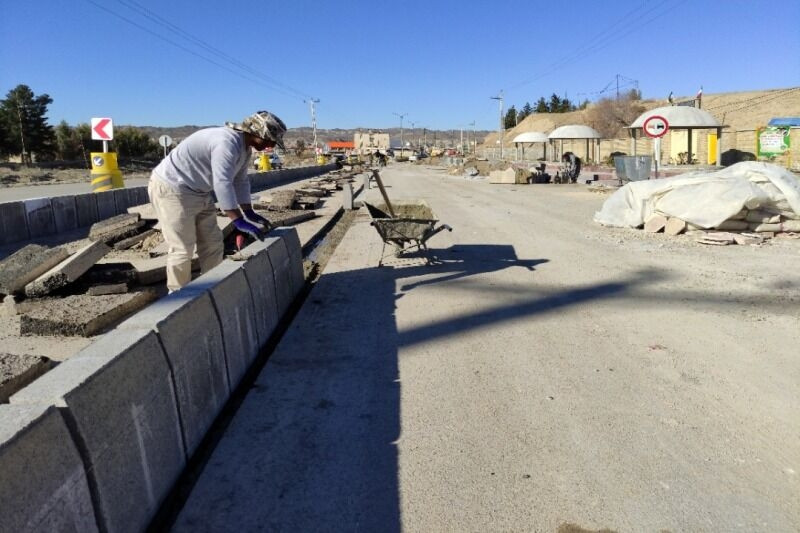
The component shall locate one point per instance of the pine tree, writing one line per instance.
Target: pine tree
(510, 120)
(541, 106)
(24, 125)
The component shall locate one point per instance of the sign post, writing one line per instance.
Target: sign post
(656, 127)
(166, 142)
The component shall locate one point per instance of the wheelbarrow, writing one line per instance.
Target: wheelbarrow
(410, 228)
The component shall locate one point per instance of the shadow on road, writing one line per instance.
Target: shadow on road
(314, 445)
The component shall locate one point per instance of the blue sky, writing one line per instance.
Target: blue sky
(438, 62)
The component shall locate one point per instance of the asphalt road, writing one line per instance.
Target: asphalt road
(548, 374)
(9, 194)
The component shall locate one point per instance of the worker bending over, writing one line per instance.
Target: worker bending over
(209, 160)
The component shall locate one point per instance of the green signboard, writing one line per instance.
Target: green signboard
(773, 141)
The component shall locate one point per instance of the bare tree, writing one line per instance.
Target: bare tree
(609, 116)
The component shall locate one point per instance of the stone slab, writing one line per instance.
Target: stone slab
(65, 213)
(261, 280)
(347, 197)
(39, 213)
(81, 315)
(67, 271)
(106, 206)
(124, 244)
(190, 333)
(292, 242)
(118, 393)
(17, 370)
(27, 264)
(86, 206)
(44, 485)
(115, 288)
(145, 211)
(13, 223)
(233, 300)
(113, 225)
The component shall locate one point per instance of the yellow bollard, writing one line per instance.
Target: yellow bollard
(320, 159)
(105, 173)
(264, 163)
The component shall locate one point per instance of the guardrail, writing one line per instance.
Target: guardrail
(39, 217)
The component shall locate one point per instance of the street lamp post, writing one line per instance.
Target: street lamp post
(312, 102)
(499, 98)
(401, 115)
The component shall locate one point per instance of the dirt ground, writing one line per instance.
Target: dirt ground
(19, 176)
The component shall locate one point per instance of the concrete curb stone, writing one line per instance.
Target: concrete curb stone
(44, 483)
(119, 395)
(39, 215)
(260, 278)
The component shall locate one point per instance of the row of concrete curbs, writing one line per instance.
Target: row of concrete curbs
(39, 217)
(97, 443)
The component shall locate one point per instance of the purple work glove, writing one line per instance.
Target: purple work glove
(252, 216)
(245, 227)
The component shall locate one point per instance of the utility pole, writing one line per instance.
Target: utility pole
(402, 146)
(499, 98)
(412, 130)
(311, 102)
(21, 135)
(461, 142)
(472, 126)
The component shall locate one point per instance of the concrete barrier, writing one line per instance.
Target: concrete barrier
(292, 242)
(106, 206)
(260, 278)
(86, 205)
(281, 269)
(44, 484)
(233, 301)
(39, 216)
(119, 399)
(65, 213)
(13, 223)
(190, 333)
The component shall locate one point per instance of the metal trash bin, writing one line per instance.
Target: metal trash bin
(633, 167)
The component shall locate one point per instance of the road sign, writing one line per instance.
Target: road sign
(102, 129)
(165, 141)
(655, 126)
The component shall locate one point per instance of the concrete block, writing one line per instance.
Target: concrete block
(39, 212)
(65, 213)
(81, 314)
(121, 200)
(44, 485)
(13, 223)
(281, 268)
(261, 280)
(113, 224)
(86, 206)
(119, 397)
(134, 198)
(124, 244)
(106, 206)
(27, 264)
(67, 271)
(113, 288)
(233, 300)
(190, 332)
(144, 196)
(18, 370)
(347, 197)
(295, 250)
(146, 211)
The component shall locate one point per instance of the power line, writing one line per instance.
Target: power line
(273, 85)
(604, 38)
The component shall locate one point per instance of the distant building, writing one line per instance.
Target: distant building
(341, 147)
(367, 143)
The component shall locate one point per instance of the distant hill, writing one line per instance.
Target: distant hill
(441, 137)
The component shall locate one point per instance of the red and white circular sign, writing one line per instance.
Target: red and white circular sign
(655, 126)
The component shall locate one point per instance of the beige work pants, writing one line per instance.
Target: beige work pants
(187, 220)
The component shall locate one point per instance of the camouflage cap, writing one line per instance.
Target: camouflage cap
(263, 124)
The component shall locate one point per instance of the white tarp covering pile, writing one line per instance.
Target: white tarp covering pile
(705, 198)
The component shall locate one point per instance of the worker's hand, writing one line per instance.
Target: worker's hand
(252, 216)
(245, 227)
